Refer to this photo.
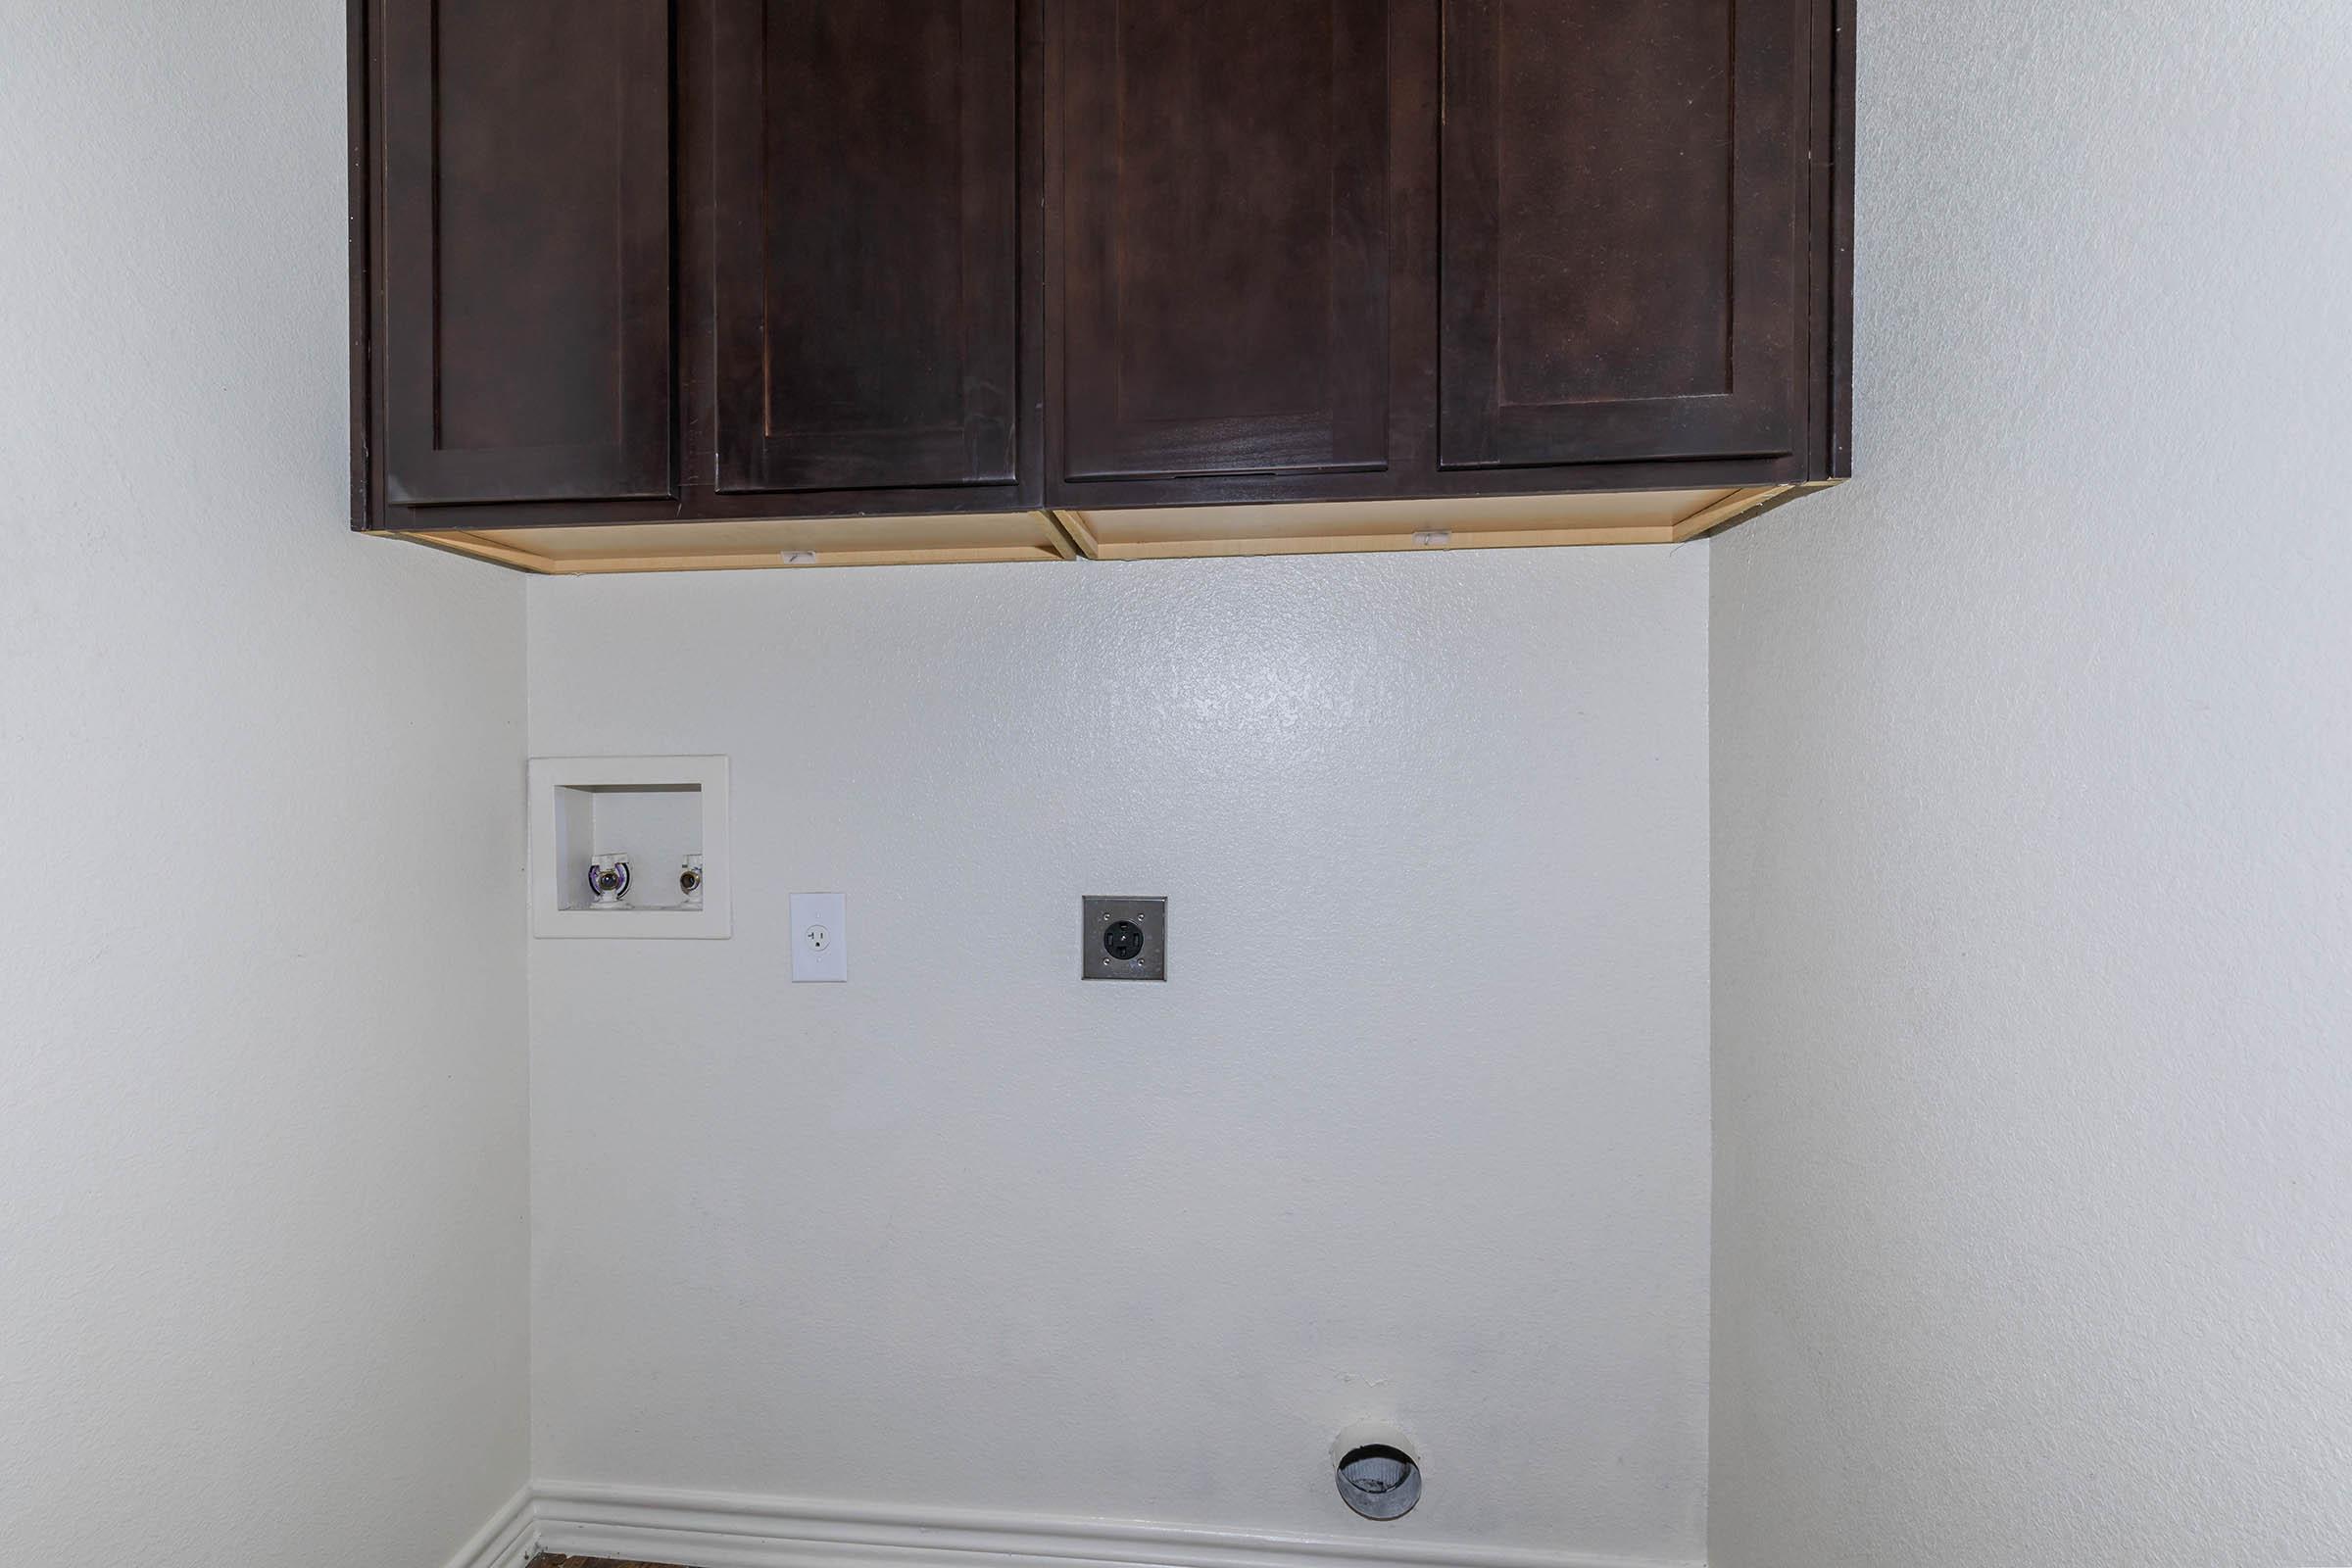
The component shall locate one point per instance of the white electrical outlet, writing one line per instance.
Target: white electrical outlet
(820, 936)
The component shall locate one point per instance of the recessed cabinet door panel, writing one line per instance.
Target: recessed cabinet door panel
(526, 241)
(867, 260)
(1225, 236)
(1620, 245)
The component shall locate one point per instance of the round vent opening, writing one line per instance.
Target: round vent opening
(1379, 1481)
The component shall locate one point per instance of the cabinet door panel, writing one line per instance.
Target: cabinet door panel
(1620, 245)
(1225, 236)
(867, 261)
(526, 338)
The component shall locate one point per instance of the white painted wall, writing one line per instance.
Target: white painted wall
(1418, 1127)
(261, 1179)
(2033, 826)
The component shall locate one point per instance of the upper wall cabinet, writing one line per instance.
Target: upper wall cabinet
(1622, 252)
(867, 197)
(525, 324)
(650, 283)
(1224, 237)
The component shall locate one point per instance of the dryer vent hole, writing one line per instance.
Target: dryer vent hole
(1379, 1482)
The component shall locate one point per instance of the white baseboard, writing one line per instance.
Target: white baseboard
(509, 1540)
(722, 1530)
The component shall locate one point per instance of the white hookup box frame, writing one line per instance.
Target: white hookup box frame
(659, 812)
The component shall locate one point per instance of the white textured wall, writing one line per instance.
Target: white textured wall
(1419, 1126)
(262, 1083)
(2033, 826)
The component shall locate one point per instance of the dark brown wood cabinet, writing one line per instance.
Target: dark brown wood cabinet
(525, 338)
(867, 243)
(719, 282)
(1622, 252)
(1226, 269)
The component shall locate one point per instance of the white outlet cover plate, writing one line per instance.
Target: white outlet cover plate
(820, 937)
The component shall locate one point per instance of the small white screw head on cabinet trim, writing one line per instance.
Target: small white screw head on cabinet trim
(820, 937)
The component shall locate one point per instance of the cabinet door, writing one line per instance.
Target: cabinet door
(1224, 236)
(525, 334)
(1620, 235)
(867, 243)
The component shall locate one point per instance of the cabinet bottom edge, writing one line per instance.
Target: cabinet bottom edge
(1289, 529)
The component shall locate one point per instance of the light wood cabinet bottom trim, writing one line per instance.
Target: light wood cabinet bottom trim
(1484, 523)
(739, 545)
(1633, 518)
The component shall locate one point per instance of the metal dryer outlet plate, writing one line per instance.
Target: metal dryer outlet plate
(1122, 938)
